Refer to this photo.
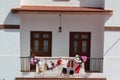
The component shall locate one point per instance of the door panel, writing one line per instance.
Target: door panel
(80, 44)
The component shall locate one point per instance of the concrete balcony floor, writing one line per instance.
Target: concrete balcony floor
(85, 76)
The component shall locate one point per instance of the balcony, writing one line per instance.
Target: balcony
(92, 72)
(96, 64)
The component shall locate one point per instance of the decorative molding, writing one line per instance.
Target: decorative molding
(112, 28)
(7, 26)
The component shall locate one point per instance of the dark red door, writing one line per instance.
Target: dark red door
(80, 44)
(41, 43)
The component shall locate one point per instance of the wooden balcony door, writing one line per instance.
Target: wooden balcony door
(80, 44)
(41, 43)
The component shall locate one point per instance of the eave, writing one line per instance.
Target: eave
(60, 10)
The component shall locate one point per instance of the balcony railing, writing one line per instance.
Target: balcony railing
(93, 64)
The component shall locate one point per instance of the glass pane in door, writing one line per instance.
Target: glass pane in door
(84, 46)
(36, 46)
(75, 46)
(45, 45)
(84, 36)
(36, 35)
(76, 36)
(45, 35)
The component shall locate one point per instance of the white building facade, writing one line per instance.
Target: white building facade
(16, 42)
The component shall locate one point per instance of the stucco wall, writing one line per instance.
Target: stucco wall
(60, 41)
(113, 5)
(112, 54)
(81, 3)
(6, 17)
(9, 41)
(9, 54)
(112, 42)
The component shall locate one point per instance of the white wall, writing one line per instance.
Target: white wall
(6, 17)
(113, 5)
(81, 3)
(9, 41)
(9, 67)
(9, 54)
(60, 41)
(112, 55)
(112, 67)
(112, 42)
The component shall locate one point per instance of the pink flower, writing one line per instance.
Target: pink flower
(31, 61)
(84, 58)
(36, 58)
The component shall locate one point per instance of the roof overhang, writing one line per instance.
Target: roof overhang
(60, 10)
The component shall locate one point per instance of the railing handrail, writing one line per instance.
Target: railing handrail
(96, 64)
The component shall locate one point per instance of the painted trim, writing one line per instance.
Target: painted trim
(7, 26)
(60, 10)
(112, 28)
(57, 12)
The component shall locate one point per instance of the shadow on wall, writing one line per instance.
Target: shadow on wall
(107, 17)
(11, 18)
(12, 30)
(92, 3)
(61, 0)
